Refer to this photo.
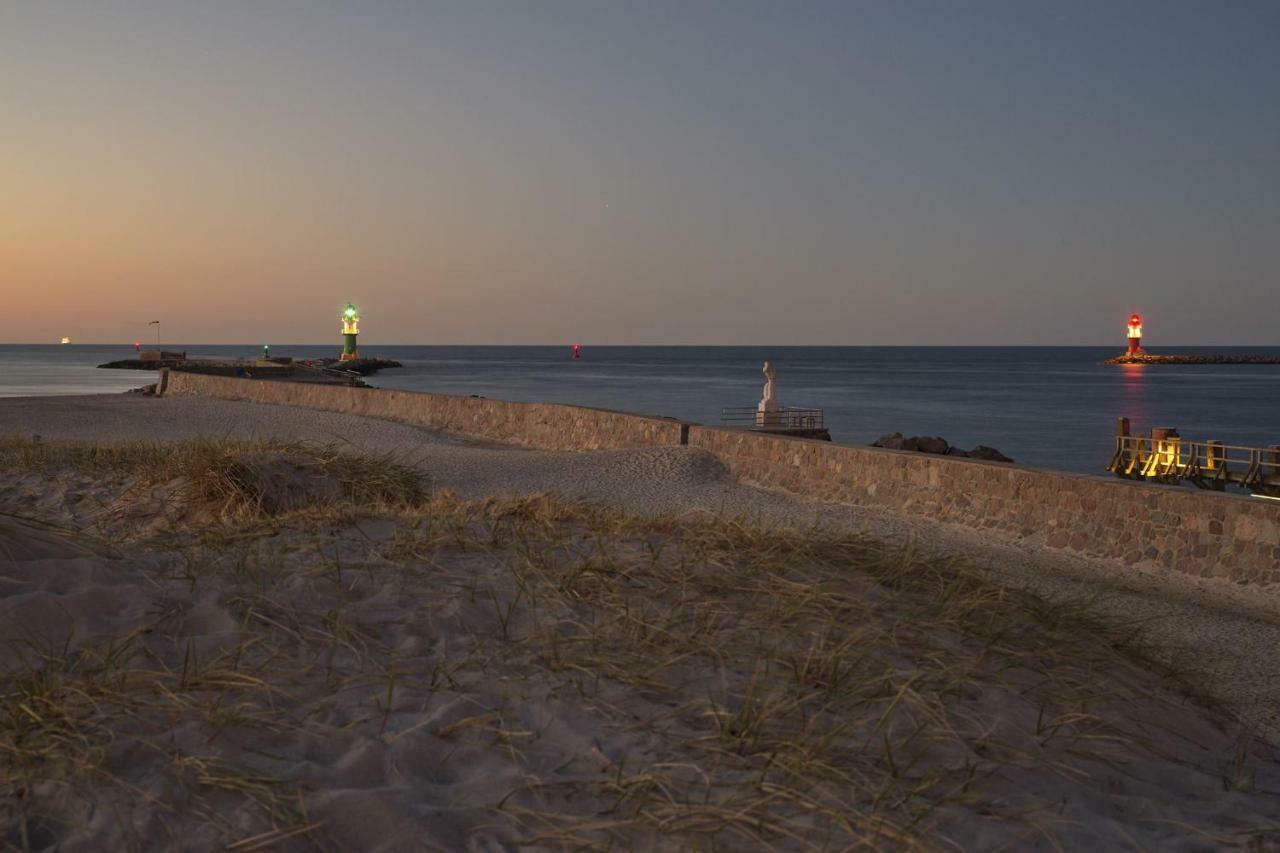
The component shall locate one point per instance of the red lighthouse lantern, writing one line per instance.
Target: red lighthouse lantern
(1135, 334)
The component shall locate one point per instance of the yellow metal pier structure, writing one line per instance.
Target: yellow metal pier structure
(1165, 457)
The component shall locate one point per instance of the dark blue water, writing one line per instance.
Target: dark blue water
(1049, 406)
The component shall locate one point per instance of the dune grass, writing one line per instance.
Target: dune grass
(232, 478)
(823, 685)
(746, 685)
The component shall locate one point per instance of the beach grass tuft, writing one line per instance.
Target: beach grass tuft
(236, 479)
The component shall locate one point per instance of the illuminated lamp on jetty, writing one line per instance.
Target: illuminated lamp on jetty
(350, 330)
(1135, 334)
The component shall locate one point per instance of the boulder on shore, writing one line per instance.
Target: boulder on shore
(892, 441)
(938, 446)
(934, 444)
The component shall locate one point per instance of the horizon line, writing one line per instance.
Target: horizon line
(331, 344)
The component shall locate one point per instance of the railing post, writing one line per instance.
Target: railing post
(1271, 469)
(1255, 468)
(1212, 455)
(1165, 450)
(1217, 463)
(1122, 436)
(1122, 445)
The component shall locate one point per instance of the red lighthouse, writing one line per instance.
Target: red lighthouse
(1135, 334)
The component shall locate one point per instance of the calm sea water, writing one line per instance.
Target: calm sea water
(1053, 407)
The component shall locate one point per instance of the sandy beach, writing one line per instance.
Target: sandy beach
(576, 426)
(285, 628)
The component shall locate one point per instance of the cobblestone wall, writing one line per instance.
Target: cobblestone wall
(1200, 533)
(544, 425)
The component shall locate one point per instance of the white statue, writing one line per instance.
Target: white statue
(767, 411)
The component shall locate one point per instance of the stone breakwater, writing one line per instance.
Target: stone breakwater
(262, 368)
(1150, 358)
(1199, 533)
(543, 425)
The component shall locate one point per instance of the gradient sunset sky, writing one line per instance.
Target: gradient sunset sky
(652, 172)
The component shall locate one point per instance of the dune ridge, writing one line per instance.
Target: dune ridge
(283, 645)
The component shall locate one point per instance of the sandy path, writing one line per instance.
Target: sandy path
(1223, 634)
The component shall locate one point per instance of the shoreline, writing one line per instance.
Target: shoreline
(874, 394)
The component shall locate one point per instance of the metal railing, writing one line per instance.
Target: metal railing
(786, 419)
(1206, 464)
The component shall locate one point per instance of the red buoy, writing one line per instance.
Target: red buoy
(577, 350)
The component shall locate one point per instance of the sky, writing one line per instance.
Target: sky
(695, 172)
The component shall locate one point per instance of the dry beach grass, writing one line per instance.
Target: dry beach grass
(274, 645)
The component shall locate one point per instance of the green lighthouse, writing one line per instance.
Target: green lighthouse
(350, 329)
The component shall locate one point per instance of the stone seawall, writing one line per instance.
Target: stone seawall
(1200, 533)
(543, 425)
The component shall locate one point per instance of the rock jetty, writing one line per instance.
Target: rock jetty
(363, 366)
(305, 370)
(1151, 358)
(937, 445)
(323, 371)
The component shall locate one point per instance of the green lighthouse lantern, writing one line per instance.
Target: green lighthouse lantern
(350, 329)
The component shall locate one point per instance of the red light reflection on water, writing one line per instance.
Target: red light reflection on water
(1133, 395)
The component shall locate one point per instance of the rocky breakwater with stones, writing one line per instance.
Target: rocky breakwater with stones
(1151, 358)
(261, 368)
(937, 445)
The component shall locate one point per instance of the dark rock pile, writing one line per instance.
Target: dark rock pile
(363, 366)
(937, 445)
(266, 368)
(1153, 358)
